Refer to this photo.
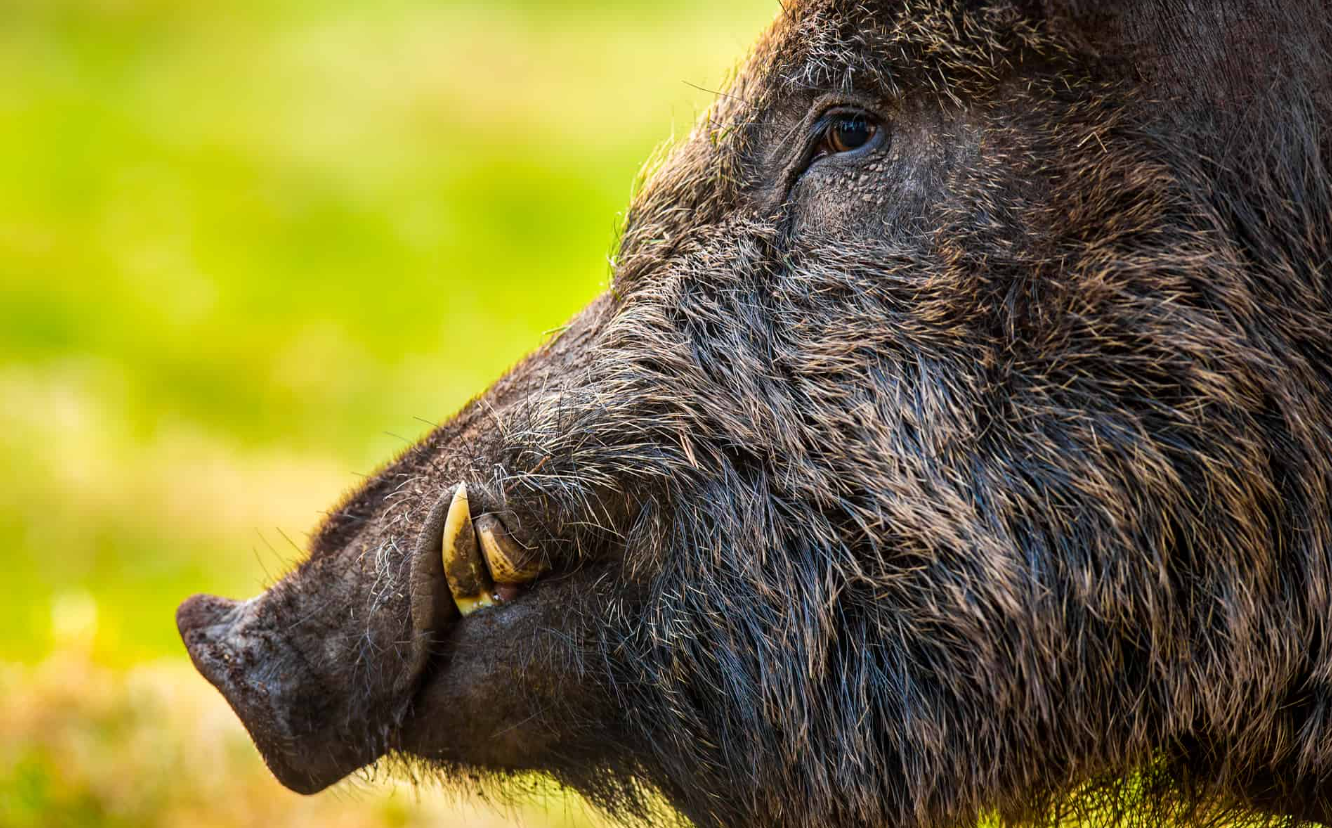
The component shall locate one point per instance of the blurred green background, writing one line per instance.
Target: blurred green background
(248, 251)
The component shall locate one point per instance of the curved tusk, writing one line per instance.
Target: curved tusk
(463, 568)
(509, 562)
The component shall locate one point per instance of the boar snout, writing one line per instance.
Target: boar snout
(284, 704)
(323, 684)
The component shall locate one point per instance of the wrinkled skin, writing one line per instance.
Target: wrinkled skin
(982, 469)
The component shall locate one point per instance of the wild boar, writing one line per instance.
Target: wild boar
(955, 439)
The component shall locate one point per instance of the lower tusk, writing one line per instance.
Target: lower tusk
(509, 562)
(463, 568)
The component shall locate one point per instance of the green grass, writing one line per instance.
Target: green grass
(249, 251)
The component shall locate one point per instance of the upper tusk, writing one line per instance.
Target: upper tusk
(509, 562)
(463, 568)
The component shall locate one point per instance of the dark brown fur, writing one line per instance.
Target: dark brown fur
(988, 473)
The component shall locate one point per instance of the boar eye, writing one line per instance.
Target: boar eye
(846, 132)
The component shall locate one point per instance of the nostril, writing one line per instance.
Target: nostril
(206, 625)
(202, 611)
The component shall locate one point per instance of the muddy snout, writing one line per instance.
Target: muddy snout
(285, 707)
(322, 668)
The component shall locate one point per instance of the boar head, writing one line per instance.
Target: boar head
(953, 439)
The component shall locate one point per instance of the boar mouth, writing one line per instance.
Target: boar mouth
(287, 685)
(466, 565)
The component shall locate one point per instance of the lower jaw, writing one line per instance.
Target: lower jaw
(485, 699)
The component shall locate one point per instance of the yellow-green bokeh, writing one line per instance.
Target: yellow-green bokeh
(248, 251)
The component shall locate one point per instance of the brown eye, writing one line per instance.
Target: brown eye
(849, 132)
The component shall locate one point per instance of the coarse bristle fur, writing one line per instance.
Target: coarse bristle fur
(987, 475)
